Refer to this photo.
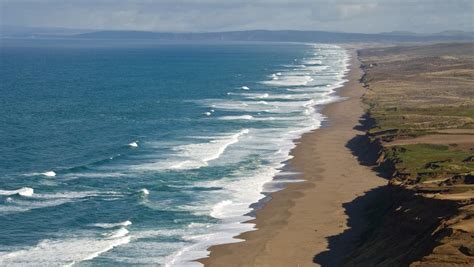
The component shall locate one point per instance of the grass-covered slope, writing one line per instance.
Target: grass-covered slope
(421, 100)
(420, 105)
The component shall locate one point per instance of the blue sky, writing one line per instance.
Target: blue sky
(222, 15)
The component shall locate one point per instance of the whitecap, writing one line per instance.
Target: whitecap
(313, 62)
(257, 96)
(196, 155)
(64, 252)
(244, 88)
(49, 173)
(199, 225)
(117, 234)
(201, 154)
(112, 225)
(217, 210)
(39, 201)
(133, 144)
(24, 192)
(290, 80)
(242, 117)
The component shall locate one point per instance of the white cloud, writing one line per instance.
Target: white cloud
(351, 10)
(219, 15)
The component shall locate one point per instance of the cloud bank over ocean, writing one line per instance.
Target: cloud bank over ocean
(211, 15)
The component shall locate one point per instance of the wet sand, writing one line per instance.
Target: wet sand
(294, 226)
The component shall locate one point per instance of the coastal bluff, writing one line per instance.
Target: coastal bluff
(420, 120)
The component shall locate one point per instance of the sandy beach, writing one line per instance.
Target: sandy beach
(238, 133)
(294, 227)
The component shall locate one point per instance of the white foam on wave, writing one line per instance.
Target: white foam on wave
(241, 117)
(233, 105)
(121, 232)
(272, 144)
(144, 191)
(199, 225)
(112, 225)
(49, 173)
(316, 68)
(308, 95)
(107, 174)
(271, 105)
(63, 252)
(77, 195)
(244, 88)
(186, 255)
(294, 66)
(218, 209)
(24, 192)
(196, 155)
(304, 93)
(133, 144)
(70, 250)
(200, 154)
(252, 118)
(255, 96)
(312, 62)
(238, 194)
(317, 89)
(40, 200)
(290, 80)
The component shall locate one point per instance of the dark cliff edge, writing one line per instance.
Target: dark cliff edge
(420, 136)
(411, 229)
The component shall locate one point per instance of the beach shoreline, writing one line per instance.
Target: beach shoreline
(294, 225)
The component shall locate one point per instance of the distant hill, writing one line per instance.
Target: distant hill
(456, 34)
(252, 35)
(28, 32)
(280, 36)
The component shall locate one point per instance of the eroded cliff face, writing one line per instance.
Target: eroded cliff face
(422, 129)
(417, 230)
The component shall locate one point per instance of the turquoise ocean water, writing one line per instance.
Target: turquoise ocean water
(148, 154)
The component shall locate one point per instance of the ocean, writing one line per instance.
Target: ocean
(148, 154)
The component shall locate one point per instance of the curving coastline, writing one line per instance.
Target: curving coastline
(295, 224)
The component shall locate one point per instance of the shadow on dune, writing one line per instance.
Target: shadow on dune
(376, 224)
(393, 226)
(359, 210)
(365, 151)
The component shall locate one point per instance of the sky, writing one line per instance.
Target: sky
(366, 16)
